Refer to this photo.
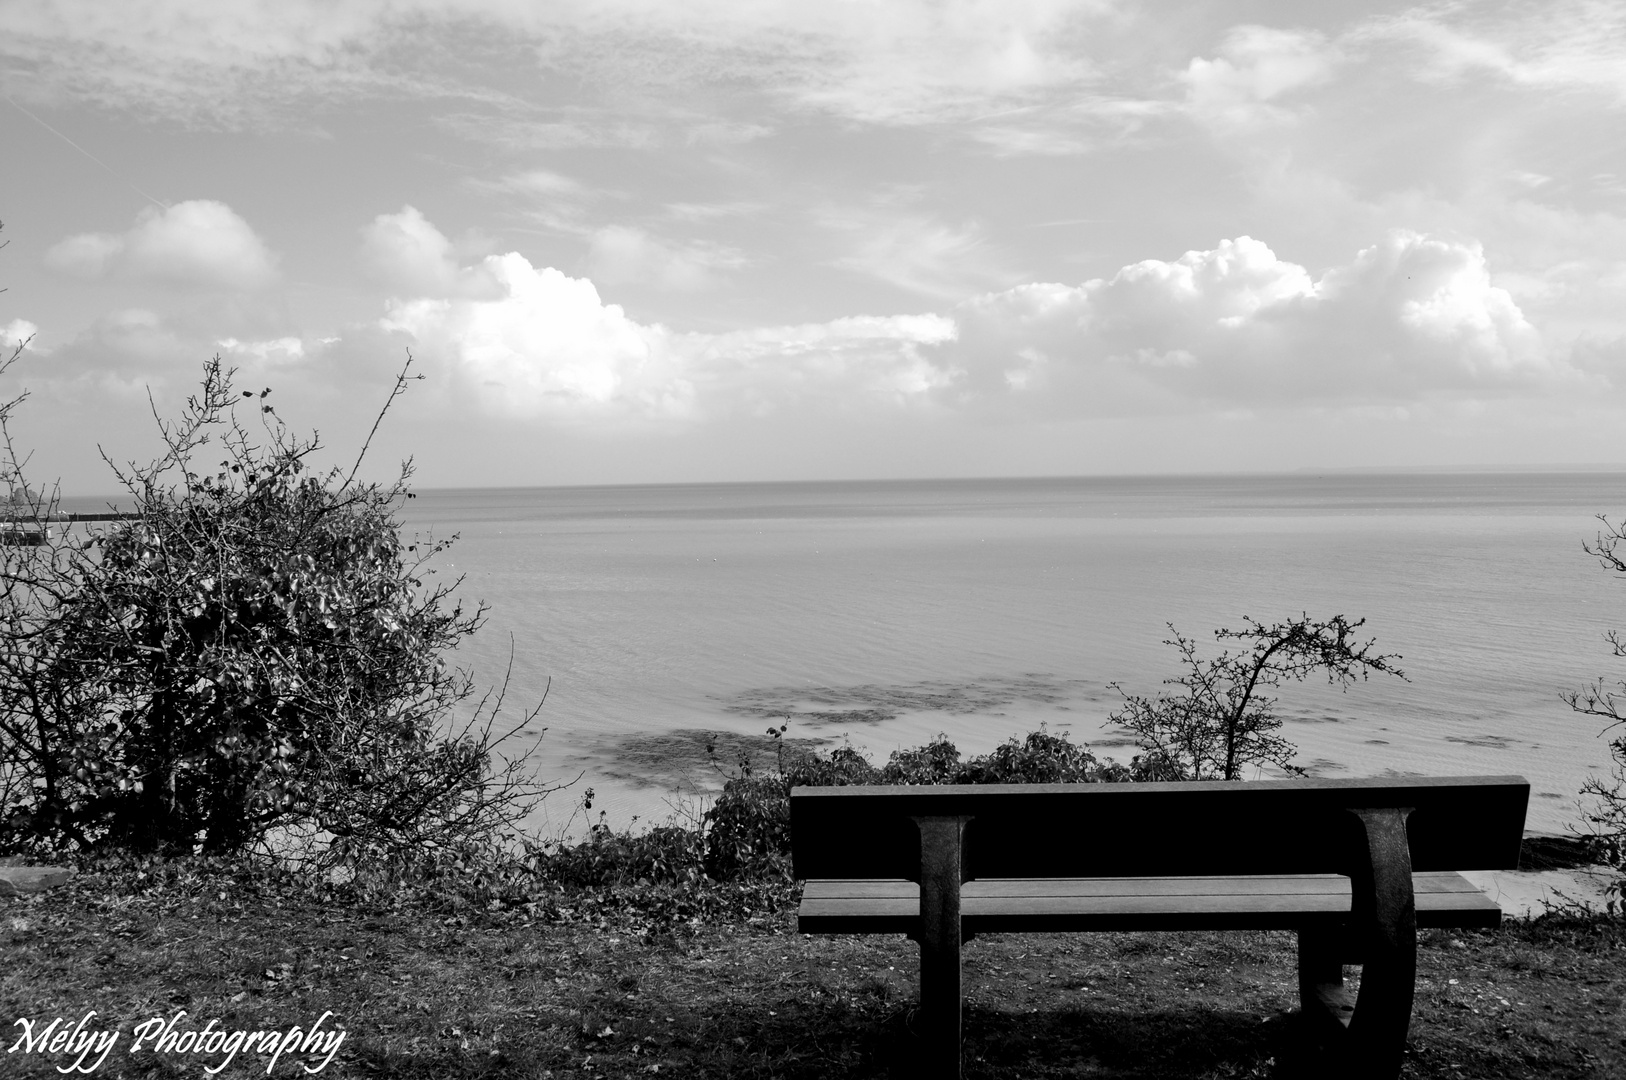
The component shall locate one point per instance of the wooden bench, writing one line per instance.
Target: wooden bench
(1354, 866)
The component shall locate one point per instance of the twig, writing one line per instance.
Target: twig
(397, 391)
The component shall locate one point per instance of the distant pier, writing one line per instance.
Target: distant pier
(33, 530)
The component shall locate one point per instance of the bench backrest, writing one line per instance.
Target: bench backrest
(1130, 830)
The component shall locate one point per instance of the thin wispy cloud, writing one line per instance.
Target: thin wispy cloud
(622, 254)
(1568, 45)
(914, 254)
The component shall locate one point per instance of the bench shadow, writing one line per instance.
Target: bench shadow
(1195, 1043)
(1556, 853)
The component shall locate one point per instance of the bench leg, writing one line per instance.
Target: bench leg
(941, 867)
(1368, 1035)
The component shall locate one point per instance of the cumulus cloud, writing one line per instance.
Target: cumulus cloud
(547, 345)
(15, 333)
(413, 257)
(1257, 67)
(1411, 315)
(88, 255)
(199, 243)
(1409, 318)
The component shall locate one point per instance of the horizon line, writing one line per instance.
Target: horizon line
(1570, 468)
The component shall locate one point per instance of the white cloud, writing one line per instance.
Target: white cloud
(274, 352)
(1409, 316)
(1257, 66)
(88, 255)
(548, 346)
(199, 243)
(15, 333)
(623, 254)
(413, 257)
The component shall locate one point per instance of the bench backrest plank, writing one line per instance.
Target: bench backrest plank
(1125, 830)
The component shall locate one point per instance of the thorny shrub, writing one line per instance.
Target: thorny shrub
(253, 660)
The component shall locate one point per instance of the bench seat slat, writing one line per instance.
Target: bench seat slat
(1433, 881)
(1444, 899)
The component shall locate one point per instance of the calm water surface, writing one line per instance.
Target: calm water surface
(884, 613)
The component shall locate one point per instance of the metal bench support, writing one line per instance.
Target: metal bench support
(1367, 1036)
(942, 871)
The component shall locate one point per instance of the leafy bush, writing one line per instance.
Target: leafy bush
(747, 830)
(840, 767)
(255, 655)
(665, 855)
(1043, 758)
(938, 762)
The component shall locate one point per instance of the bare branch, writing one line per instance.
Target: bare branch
(396, 391)
(1224, 721)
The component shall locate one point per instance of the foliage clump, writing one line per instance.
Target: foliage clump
(254, 657)
(747, 830)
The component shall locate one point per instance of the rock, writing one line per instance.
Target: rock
(22, 880)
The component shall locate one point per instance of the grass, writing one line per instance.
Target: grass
(627, 984)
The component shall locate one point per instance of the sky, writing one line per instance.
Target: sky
(627, 241)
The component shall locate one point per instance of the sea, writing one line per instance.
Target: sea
(647, 639)
(666, 630)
